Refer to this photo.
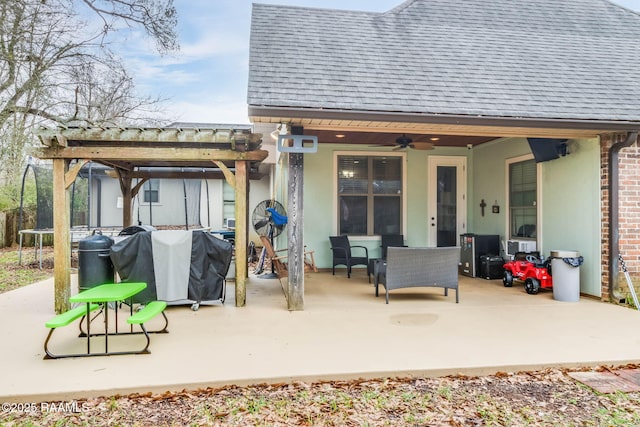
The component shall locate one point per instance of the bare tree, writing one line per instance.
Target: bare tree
(104, 94)
(157, 17)
(43, 42)
(56, 65)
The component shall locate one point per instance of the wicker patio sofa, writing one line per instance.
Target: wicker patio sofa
(418, 267)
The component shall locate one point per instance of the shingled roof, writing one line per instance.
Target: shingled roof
(543, 59)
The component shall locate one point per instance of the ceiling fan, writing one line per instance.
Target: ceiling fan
(404, 141)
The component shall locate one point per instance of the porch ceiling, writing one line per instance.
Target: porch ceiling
(458, 131)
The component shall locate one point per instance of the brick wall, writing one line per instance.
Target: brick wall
(629, 210)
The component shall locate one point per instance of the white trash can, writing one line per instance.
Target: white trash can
(566, 275)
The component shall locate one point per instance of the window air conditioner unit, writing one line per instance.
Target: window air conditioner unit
(230, 223)
(514, 246)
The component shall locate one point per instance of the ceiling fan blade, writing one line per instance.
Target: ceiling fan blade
(421, 145)
(399, 147)
(404, 140)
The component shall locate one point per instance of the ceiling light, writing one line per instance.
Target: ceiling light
(434, 138)
(340, 135)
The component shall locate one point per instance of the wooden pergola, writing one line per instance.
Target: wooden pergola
(134, 153)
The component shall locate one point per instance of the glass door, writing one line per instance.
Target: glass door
(447, 200)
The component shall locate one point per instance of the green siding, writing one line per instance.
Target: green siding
(572, 209)
(319, 204)
(569, 199)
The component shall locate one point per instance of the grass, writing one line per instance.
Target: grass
(13, 275)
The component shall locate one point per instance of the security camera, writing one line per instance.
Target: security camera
(469, 146)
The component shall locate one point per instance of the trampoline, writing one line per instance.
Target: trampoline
(43, 176)
(82, 221)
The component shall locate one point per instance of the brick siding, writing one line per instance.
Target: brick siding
(629, 209)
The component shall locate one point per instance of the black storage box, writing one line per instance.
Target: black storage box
(472, 246)
(491, 267)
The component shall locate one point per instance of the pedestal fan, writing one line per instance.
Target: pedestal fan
(268, 219)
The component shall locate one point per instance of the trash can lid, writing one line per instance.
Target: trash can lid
(564, 254)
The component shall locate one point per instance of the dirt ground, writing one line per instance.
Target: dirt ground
(546, 398)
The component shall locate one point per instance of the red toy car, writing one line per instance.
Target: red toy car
(533, 271)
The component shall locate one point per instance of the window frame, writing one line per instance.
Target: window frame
(147, 189)
(336, 195)
(508, 163)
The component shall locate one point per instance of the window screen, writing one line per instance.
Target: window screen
(151, 191)
(523, 210)
(369, 194)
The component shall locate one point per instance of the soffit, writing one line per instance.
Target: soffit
(463, 132)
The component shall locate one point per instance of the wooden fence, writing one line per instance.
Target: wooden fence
(9, 227)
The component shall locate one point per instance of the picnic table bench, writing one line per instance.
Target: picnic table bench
(100, 297)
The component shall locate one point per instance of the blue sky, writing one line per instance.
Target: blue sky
(207, 80)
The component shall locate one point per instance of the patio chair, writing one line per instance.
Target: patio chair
(341, 250)
(386, 240)
(395, 240)
(279, 261)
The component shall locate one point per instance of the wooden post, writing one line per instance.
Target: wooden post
(242, 222)
(127, 200)
(61, 237)
(295, 231)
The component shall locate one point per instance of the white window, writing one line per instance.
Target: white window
(370, 194)
(228, 201)
(523, 199)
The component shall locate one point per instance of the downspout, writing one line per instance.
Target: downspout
(614, 211)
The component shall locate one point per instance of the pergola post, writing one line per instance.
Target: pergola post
(125, 179)
(61, 237)
(127, 199)
(140, 153)
(295, 228)
(241, 238)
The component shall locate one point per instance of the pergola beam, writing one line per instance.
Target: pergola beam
(149, 154)
(71, 175)
(65, 137)
(207, 174)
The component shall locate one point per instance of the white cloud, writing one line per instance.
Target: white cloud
(214, 44)
(232, 111)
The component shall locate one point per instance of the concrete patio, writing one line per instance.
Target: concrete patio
(344, 333)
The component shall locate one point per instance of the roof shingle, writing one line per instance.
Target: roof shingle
(547, 59)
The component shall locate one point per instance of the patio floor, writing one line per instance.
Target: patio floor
(343, 333)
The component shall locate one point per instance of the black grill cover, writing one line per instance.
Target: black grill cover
(210, 261)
